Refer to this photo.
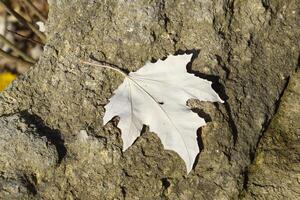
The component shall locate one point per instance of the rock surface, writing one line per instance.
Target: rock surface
(53, 143)
(275, 172)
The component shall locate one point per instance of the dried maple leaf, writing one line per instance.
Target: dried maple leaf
(156, 96)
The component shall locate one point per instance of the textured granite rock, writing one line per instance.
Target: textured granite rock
(275, 172)
(248, 49)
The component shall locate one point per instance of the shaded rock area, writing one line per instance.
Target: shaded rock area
(53, 143)
(275, 172)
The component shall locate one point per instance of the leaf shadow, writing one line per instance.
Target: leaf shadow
(217, 86)
(201, 146)
(202, 114)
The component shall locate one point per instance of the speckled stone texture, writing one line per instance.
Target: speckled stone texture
(275, 172)
(53, 143)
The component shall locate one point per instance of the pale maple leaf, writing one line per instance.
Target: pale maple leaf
(156, 96)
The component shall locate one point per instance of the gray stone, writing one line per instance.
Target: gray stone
(275, 172)
(248, 49)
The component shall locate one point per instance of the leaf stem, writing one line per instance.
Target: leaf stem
(104, 66)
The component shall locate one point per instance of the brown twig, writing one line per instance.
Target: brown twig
(5, 25)
(24, 37)
(23, 20)
(5, 22)
(15, 59)
(15, 49)
(34, 9)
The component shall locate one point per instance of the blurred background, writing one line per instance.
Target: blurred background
(22, 27)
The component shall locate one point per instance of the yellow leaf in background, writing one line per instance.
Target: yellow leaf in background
(5, 79)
